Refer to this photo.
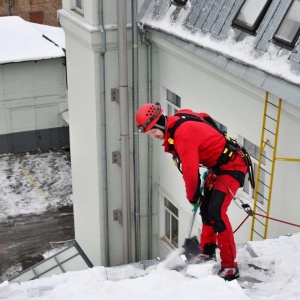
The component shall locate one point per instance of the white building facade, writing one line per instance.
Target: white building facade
(178, 73)
(33, 90)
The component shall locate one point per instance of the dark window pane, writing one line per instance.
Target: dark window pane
(173, 98)
(251, 14)
(174, 239)
(288, 31)
(79, 3)
(168, 233)
(171, 207)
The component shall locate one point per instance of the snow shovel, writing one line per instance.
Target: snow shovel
(192, 245)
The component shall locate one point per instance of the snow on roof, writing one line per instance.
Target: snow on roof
(24, 41)
(269, 270)
(210, 28)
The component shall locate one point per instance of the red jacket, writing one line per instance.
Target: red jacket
(198, 143)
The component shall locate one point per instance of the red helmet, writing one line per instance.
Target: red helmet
(147, 116)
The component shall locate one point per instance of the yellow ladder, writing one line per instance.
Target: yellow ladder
(265, 168)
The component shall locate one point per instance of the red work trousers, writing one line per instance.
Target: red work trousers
(216, 227)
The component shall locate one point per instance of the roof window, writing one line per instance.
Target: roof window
(250, 15)
(289, 29)
(180, 2)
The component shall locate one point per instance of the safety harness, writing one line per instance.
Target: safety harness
(232, 147)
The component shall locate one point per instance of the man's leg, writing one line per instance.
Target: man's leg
(208, 235)
(220, 200)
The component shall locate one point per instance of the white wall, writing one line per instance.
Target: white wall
(83, 44)
(32, 95)
(237, 105)
(201, 86)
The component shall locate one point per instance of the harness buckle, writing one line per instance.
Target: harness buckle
(170, 141)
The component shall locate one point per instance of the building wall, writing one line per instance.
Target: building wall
(32, 97)
(237, 105)
(36, 11)
(84, 44)
(201, 86)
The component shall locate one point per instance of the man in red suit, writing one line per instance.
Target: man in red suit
(193, 140)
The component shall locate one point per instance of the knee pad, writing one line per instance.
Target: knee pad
(214, 211)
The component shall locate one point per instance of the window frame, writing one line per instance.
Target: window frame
(247, 190)
(284, 43)
(171, 105)
(169, 216)
(236, 23)
(77, 8)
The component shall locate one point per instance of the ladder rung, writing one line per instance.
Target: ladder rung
(269, 131)
(262, 196)
(273, 104)
(271, 118)
(268, 173)
(264, 184)
(260, 222)
(261, 209)
(270, 146)
(258, 233)
(270, 160)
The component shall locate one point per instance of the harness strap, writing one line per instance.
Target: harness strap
(231, 149)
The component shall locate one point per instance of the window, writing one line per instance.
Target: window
(171, 222)
(288, 31)
(253, 151)
(79, 5)
(221, 127)
(173, 103)
(251, 14)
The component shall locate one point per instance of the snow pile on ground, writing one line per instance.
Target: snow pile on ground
(269, 269)
(28, 183)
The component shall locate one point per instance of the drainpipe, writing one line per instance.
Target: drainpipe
(103, 132)
(135, 97)
(150, 143)
(124, 128)
(7, 7)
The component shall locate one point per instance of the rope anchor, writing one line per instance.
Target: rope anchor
(248, 209)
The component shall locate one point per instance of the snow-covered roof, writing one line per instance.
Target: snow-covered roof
(204, 28)
(24, 41)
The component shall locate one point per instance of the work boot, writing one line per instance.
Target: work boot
(229, 273)
(209, 253)
(210, 250)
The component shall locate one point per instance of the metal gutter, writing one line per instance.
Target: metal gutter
(135, 96)
(103, 133)
(150, 143)
(124, 128)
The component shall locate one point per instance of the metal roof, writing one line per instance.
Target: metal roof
(215, 18)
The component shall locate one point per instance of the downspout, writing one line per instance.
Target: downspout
(124, 128)
(103, 132)
(7, 7)
(150, 144)
(135, 97)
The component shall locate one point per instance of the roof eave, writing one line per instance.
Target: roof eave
(280, 87)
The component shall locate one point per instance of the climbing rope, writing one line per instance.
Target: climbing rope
(248, 210)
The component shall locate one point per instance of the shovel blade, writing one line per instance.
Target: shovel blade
(191, 247)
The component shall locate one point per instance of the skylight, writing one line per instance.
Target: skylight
(250, 15)
(288, 32)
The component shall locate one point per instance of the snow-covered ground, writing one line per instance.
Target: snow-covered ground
(33, 183)
(35, 207)
(278, 278)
